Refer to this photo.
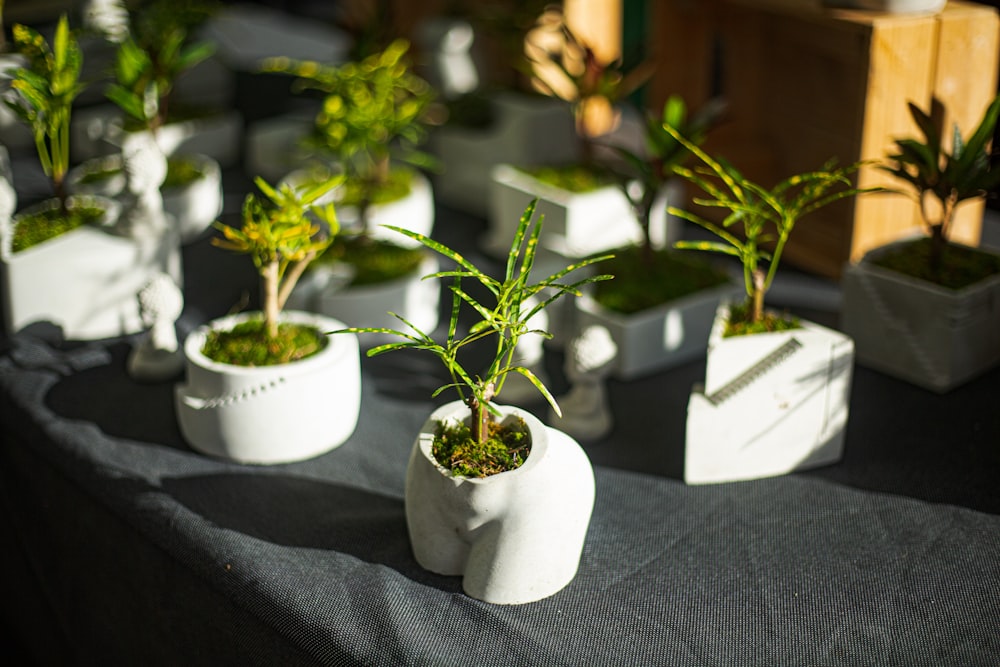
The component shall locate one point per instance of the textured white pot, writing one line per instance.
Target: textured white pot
(576, 224)
(414, 212)
(657, 338)
(270, 414)
(515, 537)
(196, 205)
(916, 331)
(772, 403)
(411, 296)
(527, 129)
(85, 280)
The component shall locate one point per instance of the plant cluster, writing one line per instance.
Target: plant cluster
(940, 180)
(500, 324)
(372, 110)
(766, 216)
(282, 240)
(45, 91)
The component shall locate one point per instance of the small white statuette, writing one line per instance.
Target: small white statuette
(157, 356)
(589, 360)
(109, 18)
(8, 202)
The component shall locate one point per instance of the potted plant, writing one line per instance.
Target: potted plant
(373, 117)
(925, 310)
(491, 493)
(147, 70)
(660, 307)
(247, 373)
(776, 391)
(65, 260)
(579, 199)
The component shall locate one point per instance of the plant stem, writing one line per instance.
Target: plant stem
(271, 309)
(480, 414)
(757, 297)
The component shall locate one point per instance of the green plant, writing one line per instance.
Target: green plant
(663, 156)
(940, 180)
(45, 91)
(502, 323)
(145, 74)
(767, 216)
(281, 239)
(373, 110)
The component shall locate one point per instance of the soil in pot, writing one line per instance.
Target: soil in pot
(374, 260)
(644, 281)
(396, 187)
(247, 344)
(960, 266)
(181, 171)
(577, 178)
(738, 323)
(506, 448)
(37, 228)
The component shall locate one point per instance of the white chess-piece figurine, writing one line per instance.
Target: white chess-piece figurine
(108, 18)
(145, 168)
(452, 67)
(158, 356)
(8, 202)
(586, 413)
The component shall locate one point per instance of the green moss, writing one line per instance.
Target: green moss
(35, 229)
(961, 266)
(398, 186)
(642, 283)
(375, 261)
(506, 448)
(574, 178)
(100, 175)
(739, 324)
(181, 170)
(247, 344)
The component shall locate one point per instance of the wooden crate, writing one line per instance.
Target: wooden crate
(805, 84)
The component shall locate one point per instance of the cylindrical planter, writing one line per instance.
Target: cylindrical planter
(270, 414)
(514, 537)
(196, 205)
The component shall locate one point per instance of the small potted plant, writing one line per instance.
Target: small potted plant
(924, 309)
(247, 373)
(148, 68)
(65, 260)
(776, 391)
(373, 118)
(581, 203)
(491, 493)
(192, 191)
(660, 307)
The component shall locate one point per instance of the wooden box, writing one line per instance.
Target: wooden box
(805, 83)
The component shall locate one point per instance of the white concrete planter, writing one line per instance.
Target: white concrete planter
(97, 131)
(515, 537)
(411, 296)
(657, 338)
(526, 130)
(193, 207)
(576, 224)
(270, 414)
(772, 403)
(414, 212)
(85, 280)
(196, 205)
(916, 331)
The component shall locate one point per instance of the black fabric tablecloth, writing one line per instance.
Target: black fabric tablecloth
(126, 547)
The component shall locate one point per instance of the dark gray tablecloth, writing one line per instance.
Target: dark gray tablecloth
(125, 547)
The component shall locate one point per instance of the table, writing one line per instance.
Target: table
(126, 547)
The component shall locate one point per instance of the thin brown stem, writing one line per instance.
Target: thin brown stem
(270, 297)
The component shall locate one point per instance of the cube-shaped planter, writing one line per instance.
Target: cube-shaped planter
(85, 280)
(916, 331)
(526, 129)
(656, 338)
(772, 403)
(576, 224)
